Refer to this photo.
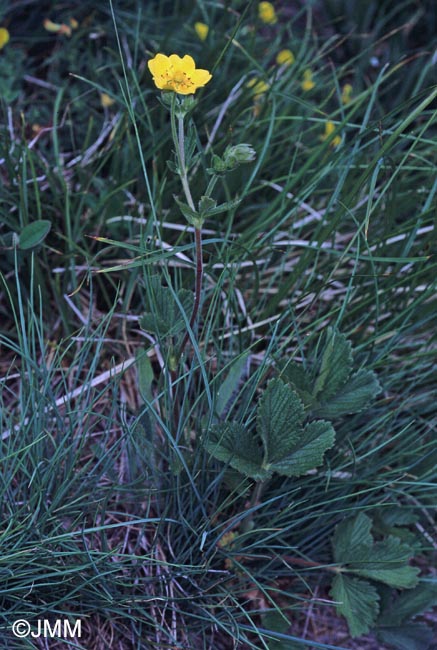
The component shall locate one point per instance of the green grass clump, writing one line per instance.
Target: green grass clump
(118, 507)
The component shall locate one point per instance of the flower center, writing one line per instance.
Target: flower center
(180, 77)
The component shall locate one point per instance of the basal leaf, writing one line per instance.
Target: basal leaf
(308, 451)
(335, 366)
(410, 603)
(352, 397)
(232, 443)
(412, 636)
(358, 602)
(279, 420)
(350, 534)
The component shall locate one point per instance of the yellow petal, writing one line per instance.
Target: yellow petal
(4, 37)
(201, 77)
(266, 13)
(285, 57)
(201, 30)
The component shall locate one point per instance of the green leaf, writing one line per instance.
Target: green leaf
(336, 365)
(295, 375)
(229, 386)
(145, 375)
(164, 317)
(413, 636)
(308, 452)
(358, 602)
(34, 234)
(279, 416)
(223, 207)
(386, 562)
(409, 604)
(352, 397)
(193, 217)
(205, 204)
(351, 534)
(232, 443)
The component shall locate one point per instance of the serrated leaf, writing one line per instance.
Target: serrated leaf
(229, 387)
(409, 604)
(223, 207)
(164, 317)
(205, 204)
(307, 452)
(34, 234)
(193, 217)
(413, 636)
(352, 397)
(295, 375)
(279, 420)
(335, 366)
(350, 534)
(232, 443)
(386, 562)
(358, 602)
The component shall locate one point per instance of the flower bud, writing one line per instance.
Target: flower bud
(238, 154)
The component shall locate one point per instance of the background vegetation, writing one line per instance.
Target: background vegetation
(112, 509)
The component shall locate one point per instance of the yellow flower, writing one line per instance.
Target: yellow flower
(346, 94)
(74, 23)
(4, 37)
(307, 83)
(267, 13)
(176, 74)
(201, 30)
(258, 86)
(285, 57)
(106, 100)
(329, 130)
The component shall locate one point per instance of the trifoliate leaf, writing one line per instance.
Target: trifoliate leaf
(279, 416)
(335, 366)
(308, 451)
(234, 444)
(352, 397)
(351, 534)
(385, 561)
(357, 602)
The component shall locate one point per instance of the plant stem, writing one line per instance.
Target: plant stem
(198, 288)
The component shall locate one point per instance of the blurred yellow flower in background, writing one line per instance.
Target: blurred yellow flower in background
(201, 30)
(4, 37)
(346, 94)
(258, 86)
(329, 130)
(106, 100)
(177, 74)
(307, 83)
(285, 57)
(267, 13)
